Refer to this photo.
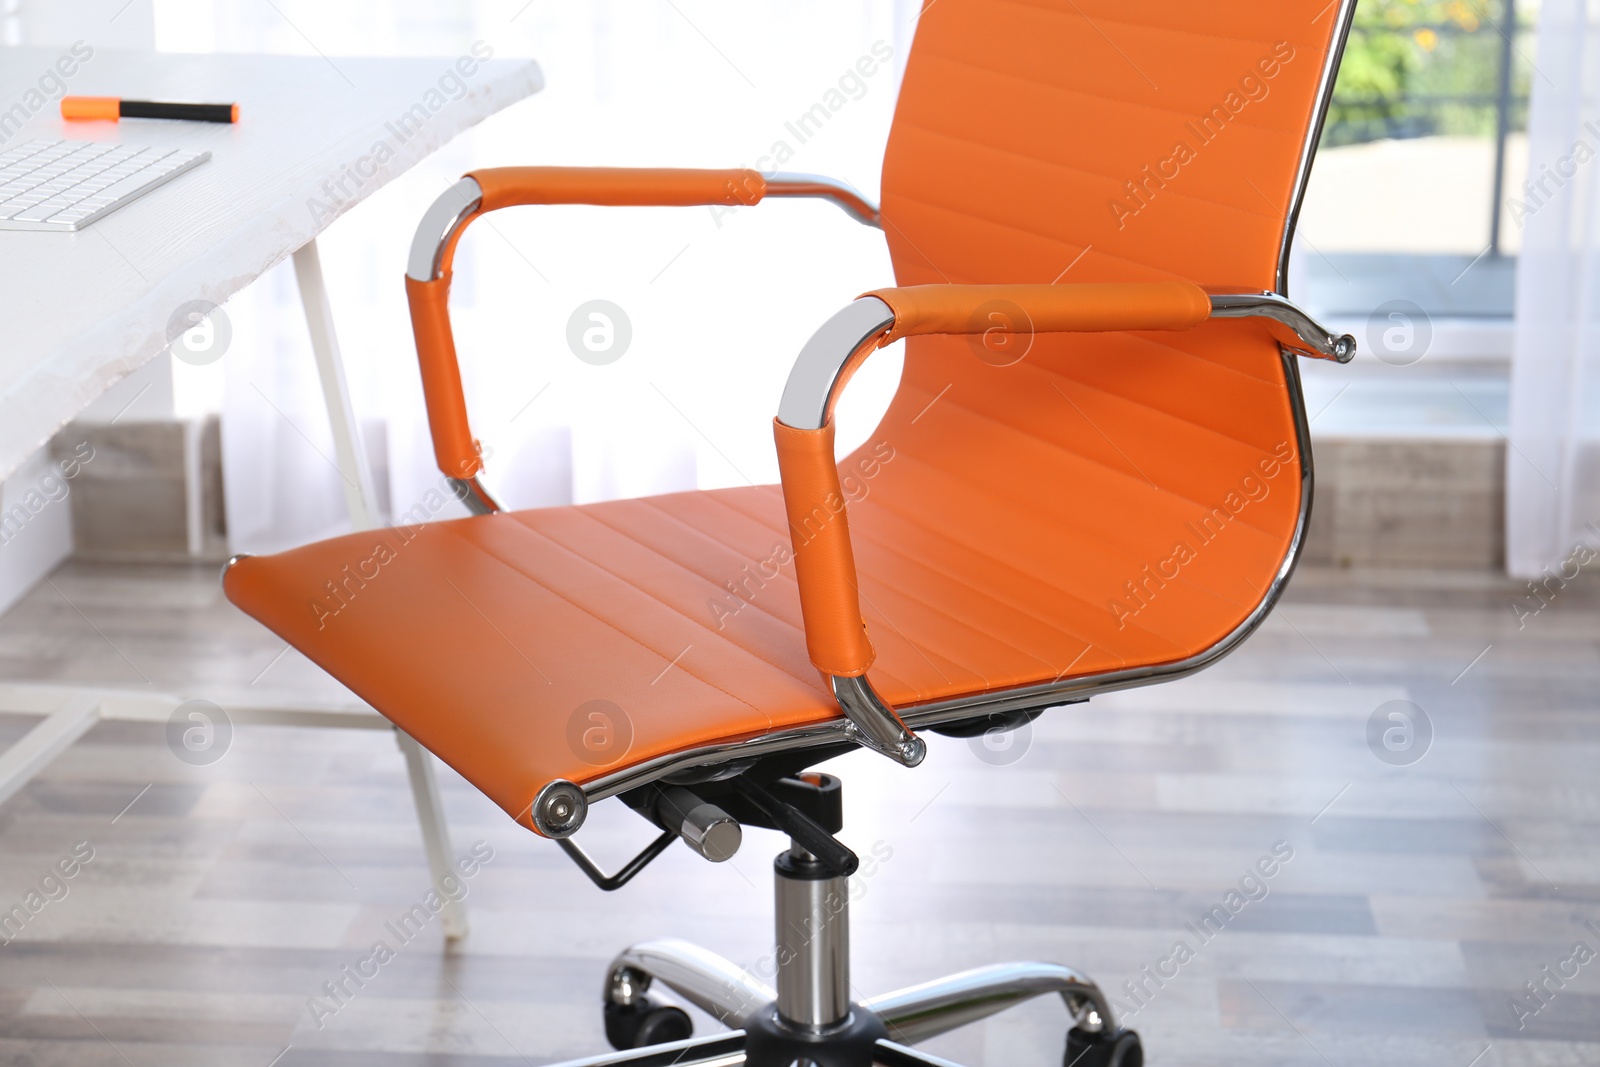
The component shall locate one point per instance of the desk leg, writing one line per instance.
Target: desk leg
(349, 449)
(51, 737)
(351, 455)
(435, 831)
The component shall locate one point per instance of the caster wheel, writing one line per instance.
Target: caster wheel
(1100, 1049)
(631, 1026)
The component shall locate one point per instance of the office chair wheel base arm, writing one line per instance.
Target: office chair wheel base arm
(728, 1050)
(876, 1031)
(715, 1050)
(919, 1012)
(809, 1016)
(717, 986)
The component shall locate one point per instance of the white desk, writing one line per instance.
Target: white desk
(82, 310)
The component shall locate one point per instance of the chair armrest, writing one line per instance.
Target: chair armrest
(825, 566)
(617, 186)
(433, 249)
(836, 638)
(1092, 308)
(479, 192)
(830, 604)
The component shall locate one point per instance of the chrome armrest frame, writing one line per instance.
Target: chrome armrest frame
(438, 229)
(846, 196)
(472, 493)
(874, 724)
(1323, 344)
(826, 361)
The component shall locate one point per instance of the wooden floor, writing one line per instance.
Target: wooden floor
(1418, 900)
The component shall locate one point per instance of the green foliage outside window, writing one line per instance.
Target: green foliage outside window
(1415, 68)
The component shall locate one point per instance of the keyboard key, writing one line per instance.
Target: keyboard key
(39, 212)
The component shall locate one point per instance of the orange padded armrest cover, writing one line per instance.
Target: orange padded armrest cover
(617, 186)
(1089, 308)
(824, 565)
(453, 446)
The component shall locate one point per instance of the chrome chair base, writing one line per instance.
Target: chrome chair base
(728, 1050)
(877, 1031)
(808, 1018)
(731, 995)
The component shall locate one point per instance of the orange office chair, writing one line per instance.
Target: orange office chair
(1095, 475)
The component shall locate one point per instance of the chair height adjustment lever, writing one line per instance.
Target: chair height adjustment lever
(612, 882)
(801, 828)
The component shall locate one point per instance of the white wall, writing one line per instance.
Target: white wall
(35, 526)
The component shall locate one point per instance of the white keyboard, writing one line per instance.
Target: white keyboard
(65, 185)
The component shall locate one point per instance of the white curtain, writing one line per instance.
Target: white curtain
(1553, 462)
(719, 304)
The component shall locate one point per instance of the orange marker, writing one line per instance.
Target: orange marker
(113, 108)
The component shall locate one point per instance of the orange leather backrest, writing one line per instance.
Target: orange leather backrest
(1164, 136)
(1100, 141)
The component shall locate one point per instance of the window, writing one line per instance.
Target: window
(1413, 195)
